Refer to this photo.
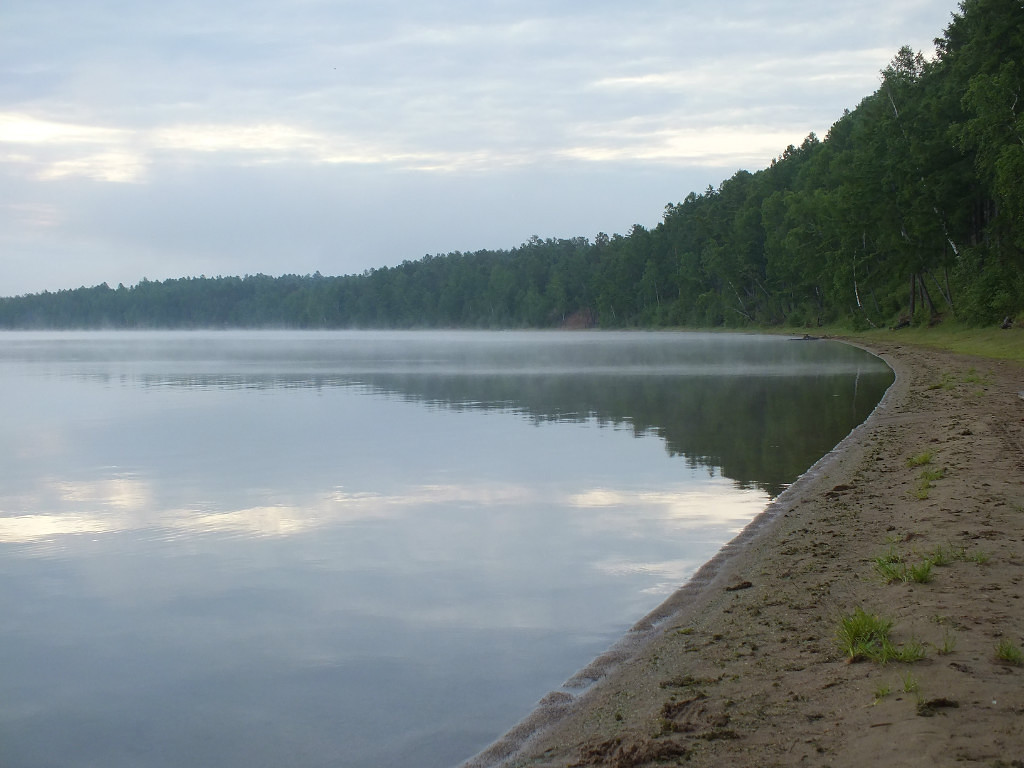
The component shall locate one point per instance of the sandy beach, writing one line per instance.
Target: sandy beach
(742, 666)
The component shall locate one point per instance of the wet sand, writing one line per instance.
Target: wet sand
(741, 667)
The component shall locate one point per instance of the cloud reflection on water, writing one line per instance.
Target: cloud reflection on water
(122, 504)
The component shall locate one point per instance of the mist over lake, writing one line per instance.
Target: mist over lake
(365, 548)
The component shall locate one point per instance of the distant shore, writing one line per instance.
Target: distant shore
(742, 666)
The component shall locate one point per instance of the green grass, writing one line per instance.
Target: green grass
(890, 572)
(883, 690)
(893, 566)
(925, 480)
(890, 566)
(920, 573)
(910, 683)
(948, 643)
(948, 381)
(862, 635)
(921, 459)
(943, 555)
(865, 636)
(973, 377)
(984, 342)
(1009, 653)
(909, 652)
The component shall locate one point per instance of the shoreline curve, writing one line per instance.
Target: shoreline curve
(625, 708)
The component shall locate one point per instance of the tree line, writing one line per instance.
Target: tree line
(911, 208)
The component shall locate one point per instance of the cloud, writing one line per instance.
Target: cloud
(508, 100)
(24, 129)
(119, 167)
(127, 503)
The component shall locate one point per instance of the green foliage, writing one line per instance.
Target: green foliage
(911, 209)
(883, 690)
(862, 635)
(925, 480)
(1009, 653)
(892, 568)
(920, 459)
(920, 573)
(948, 643)
(911, 683)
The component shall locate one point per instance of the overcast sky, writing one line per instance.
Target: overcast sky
(191, 137)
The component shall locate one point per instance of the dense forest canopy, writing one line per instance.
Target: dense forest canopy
(910, 209)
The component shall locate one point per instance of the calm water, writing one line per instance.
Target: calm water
(364, 549)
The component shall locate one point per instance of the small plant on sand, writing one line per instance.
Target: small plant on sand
(910, 683)
(948, 381)
(920, 460)
(920, 573)
(883, 690)
(948, 643)
(925, 480)
(973, 377)
(908, 653)
(862, 635)
(890, 566)
(1009, 652)
(942, 555)
(981, 558)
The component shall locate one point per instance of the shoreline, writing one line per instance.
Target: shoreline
(740, 665)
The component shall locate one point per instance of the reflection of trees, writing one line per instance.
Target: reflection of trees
(758, 410)
(759, 431)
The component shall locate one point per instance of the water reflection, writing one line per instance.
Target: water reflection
(363, 549)
(758, 409)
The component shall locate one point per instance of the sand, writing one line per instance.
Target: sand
(742, 667)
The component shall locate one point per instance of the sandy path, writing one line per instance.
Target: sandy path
(746, 671)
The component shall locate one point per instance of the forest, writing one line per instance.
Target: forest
(910, 210)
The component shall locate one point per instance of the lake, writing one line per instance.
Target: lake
(363, 548)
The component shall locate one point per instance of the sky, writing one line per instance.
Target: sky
(184, 138)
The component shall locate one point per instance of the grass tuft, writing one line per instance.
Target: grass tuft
(909, 652)
(883, 690)
(948, 643)
(920, 573)
(862, 635)
(925, 480)
(910, 684)
(892, 568)
(943, 555)
(865, 636)
(1009, 653)
(921, 459)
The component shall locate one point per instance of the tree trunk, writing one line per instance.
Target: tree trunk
(926, 296)
(944, 292)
